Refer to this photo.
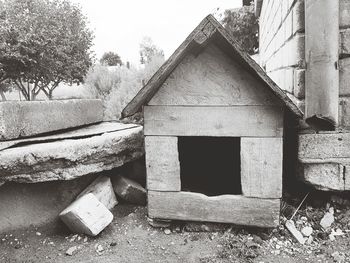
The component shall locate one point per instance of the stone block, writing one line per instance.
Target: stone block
(87, 216)
(71, 158)
(26, 118)
(344, 76)
(323, 146)
(344, 41)
(299, 83)
(347, 177)
(344, 16)
(324, 176)
(129, 190)
(102, 189)
(344, 113)
(299, 17)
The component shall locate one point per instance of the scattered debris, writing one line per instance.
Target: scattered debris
(99, 249)
(129, 190)
(291, 226)
(338, 257)
(158, 223)
(86, 215)
(205, 227)
(327, 220)
(71, 250)
(103, 190)
(307, 231)
(295, 232)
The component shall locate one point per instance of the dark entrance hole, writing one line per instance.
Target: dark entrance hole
(210, 165)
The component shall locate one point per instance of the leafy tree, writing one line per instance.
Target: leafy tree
(243, 25)
(149, 50)
(111, 59)
(43, 43)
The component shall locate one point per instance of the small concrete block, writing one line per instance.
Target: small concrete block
(103, 190)
(86, 215)
(324, 176)
(129, 190)
(26, 118)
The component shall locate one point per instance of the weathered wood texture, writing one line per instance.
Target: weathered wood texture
(321, 49)
(238, 210)
(215, 32)
(147, 92)
(235, 121)
(212, 78)
(162, 163)
(261, 167)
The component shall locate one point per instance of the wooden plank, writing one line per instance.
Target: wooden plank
(235, 121)
(162, 163)
(261, 167)
(322, 54)
(147, 92)
(233, 209)
(218, 34)
(212, 78)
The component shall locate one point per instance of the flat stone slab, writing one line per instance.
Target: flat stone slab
(68, 159)
(83, 132)
(27, 118)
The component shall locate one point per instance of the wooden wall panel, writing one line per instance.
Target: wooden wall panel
(212, 78)
(261, 167)
(235, 121)
(162, 163)
(234, 209)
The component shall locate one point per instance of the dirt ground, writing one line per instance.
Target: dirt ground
(131, 239)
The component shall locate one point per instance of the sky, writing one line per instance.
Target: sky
(120, 25)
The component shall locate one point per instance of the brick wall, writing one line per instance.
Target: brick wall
(282, 49)
(282, 43)
(344, 64)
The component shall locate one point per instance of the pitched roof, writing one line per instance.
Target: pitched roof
(208, 30)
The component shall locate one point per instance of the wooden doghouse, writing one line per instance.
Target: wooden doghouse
(213, 125)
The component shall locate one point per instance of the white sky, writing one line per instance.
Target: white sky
(120, 25)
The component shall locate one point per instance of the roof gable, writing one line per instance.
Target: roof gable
(209, 30)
